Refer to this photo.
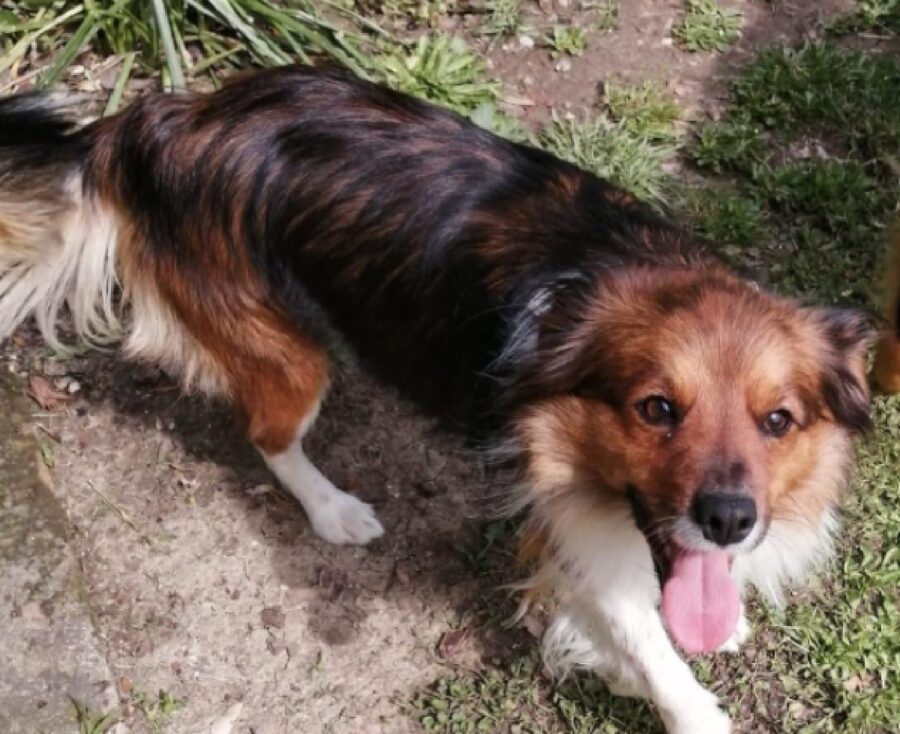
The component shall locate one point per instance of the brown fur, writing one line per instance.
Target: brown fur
(886, 370)
(725, 352)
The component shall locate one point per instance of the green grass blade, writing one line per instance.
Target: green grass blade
(112, 104)
(85, 32)
(21, 46)
(263, 47)
(165, 32)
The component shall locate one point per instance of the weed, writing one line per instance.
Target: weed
(566, 39)
(733, 145)
(645, 110)
(607, 17)
(629, 145)
(156, 710)
(707, 26)
(493, 540)
(608, 149)
(504, 18)
(878, 16)
(735, 225)
(441, 69)
(89, 722)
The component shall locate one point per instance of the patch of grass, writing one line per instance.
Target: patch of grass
(89, 722)
(850, 96)
(504, 18)
(828, 211)
(156, 710)
(566, 40)
(873, 16)
(206, 35)
(441, 69)
(494, 539)
(514, 699)
(607, 17)
(608, 149)
(628, 144)
(182, 39)
(645, 110)
(736, 226)
(504, 700)
(734, 145)
(707, 26)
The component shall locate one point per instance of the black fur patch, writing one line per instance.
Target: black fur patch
(37, 134)
(424, 238)
(850, 333)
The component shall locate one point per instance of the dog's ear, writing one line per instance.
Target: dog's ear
(848, 334)
(543, 350)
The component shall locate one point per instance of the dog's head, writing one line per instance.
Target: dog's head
(711, 408)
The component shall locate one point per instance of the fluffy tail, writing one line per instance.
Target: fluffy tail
(57, 244)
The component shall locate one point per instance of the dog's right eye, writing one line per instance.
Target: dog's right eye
(658, 411)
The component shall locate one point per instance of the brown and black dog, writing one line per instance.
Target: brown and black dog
(678, 431)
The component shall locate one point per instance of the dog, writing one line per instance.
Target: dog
(678, 432)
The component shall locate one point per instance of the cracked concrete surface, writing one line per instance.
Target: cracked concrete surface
(157, 555)
(50, 650)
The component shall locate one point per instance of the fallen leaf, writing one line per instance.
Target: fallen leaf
(453, 642)
(44, 394)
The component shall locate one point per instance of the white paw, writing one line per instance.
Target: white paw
(740, 635)
(703, 720)
(345, 520)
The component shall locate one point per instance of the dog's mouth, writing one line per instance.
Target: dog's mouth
(700, 601)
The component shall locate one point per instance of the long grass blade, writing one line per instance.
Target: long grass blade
(21, 46)
(85, 32)
(165, 33)
(112, 104)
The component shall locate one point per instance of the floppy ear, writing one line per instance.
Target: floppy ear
(848, 336)
(542, 352)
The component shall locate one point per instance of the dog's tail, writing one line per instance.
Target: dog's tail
(57, 241)
(886, 370)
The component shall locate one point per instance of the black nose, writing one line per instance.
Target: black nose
(724, 518)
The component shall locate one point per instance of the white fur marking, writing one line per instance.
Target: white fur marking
(156, 335)
(42, 266)
(335, 515)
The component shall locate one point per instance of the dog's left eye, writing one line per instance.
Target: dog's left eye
(657, 411)
(778, 422)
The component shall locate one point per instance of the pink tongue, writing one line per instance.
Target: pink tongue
(700, 602)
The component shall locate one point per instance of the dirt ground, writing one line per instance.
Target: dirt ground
(200, 578)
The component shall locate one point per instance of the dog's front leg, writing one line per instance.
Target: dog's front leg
(637, 633)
